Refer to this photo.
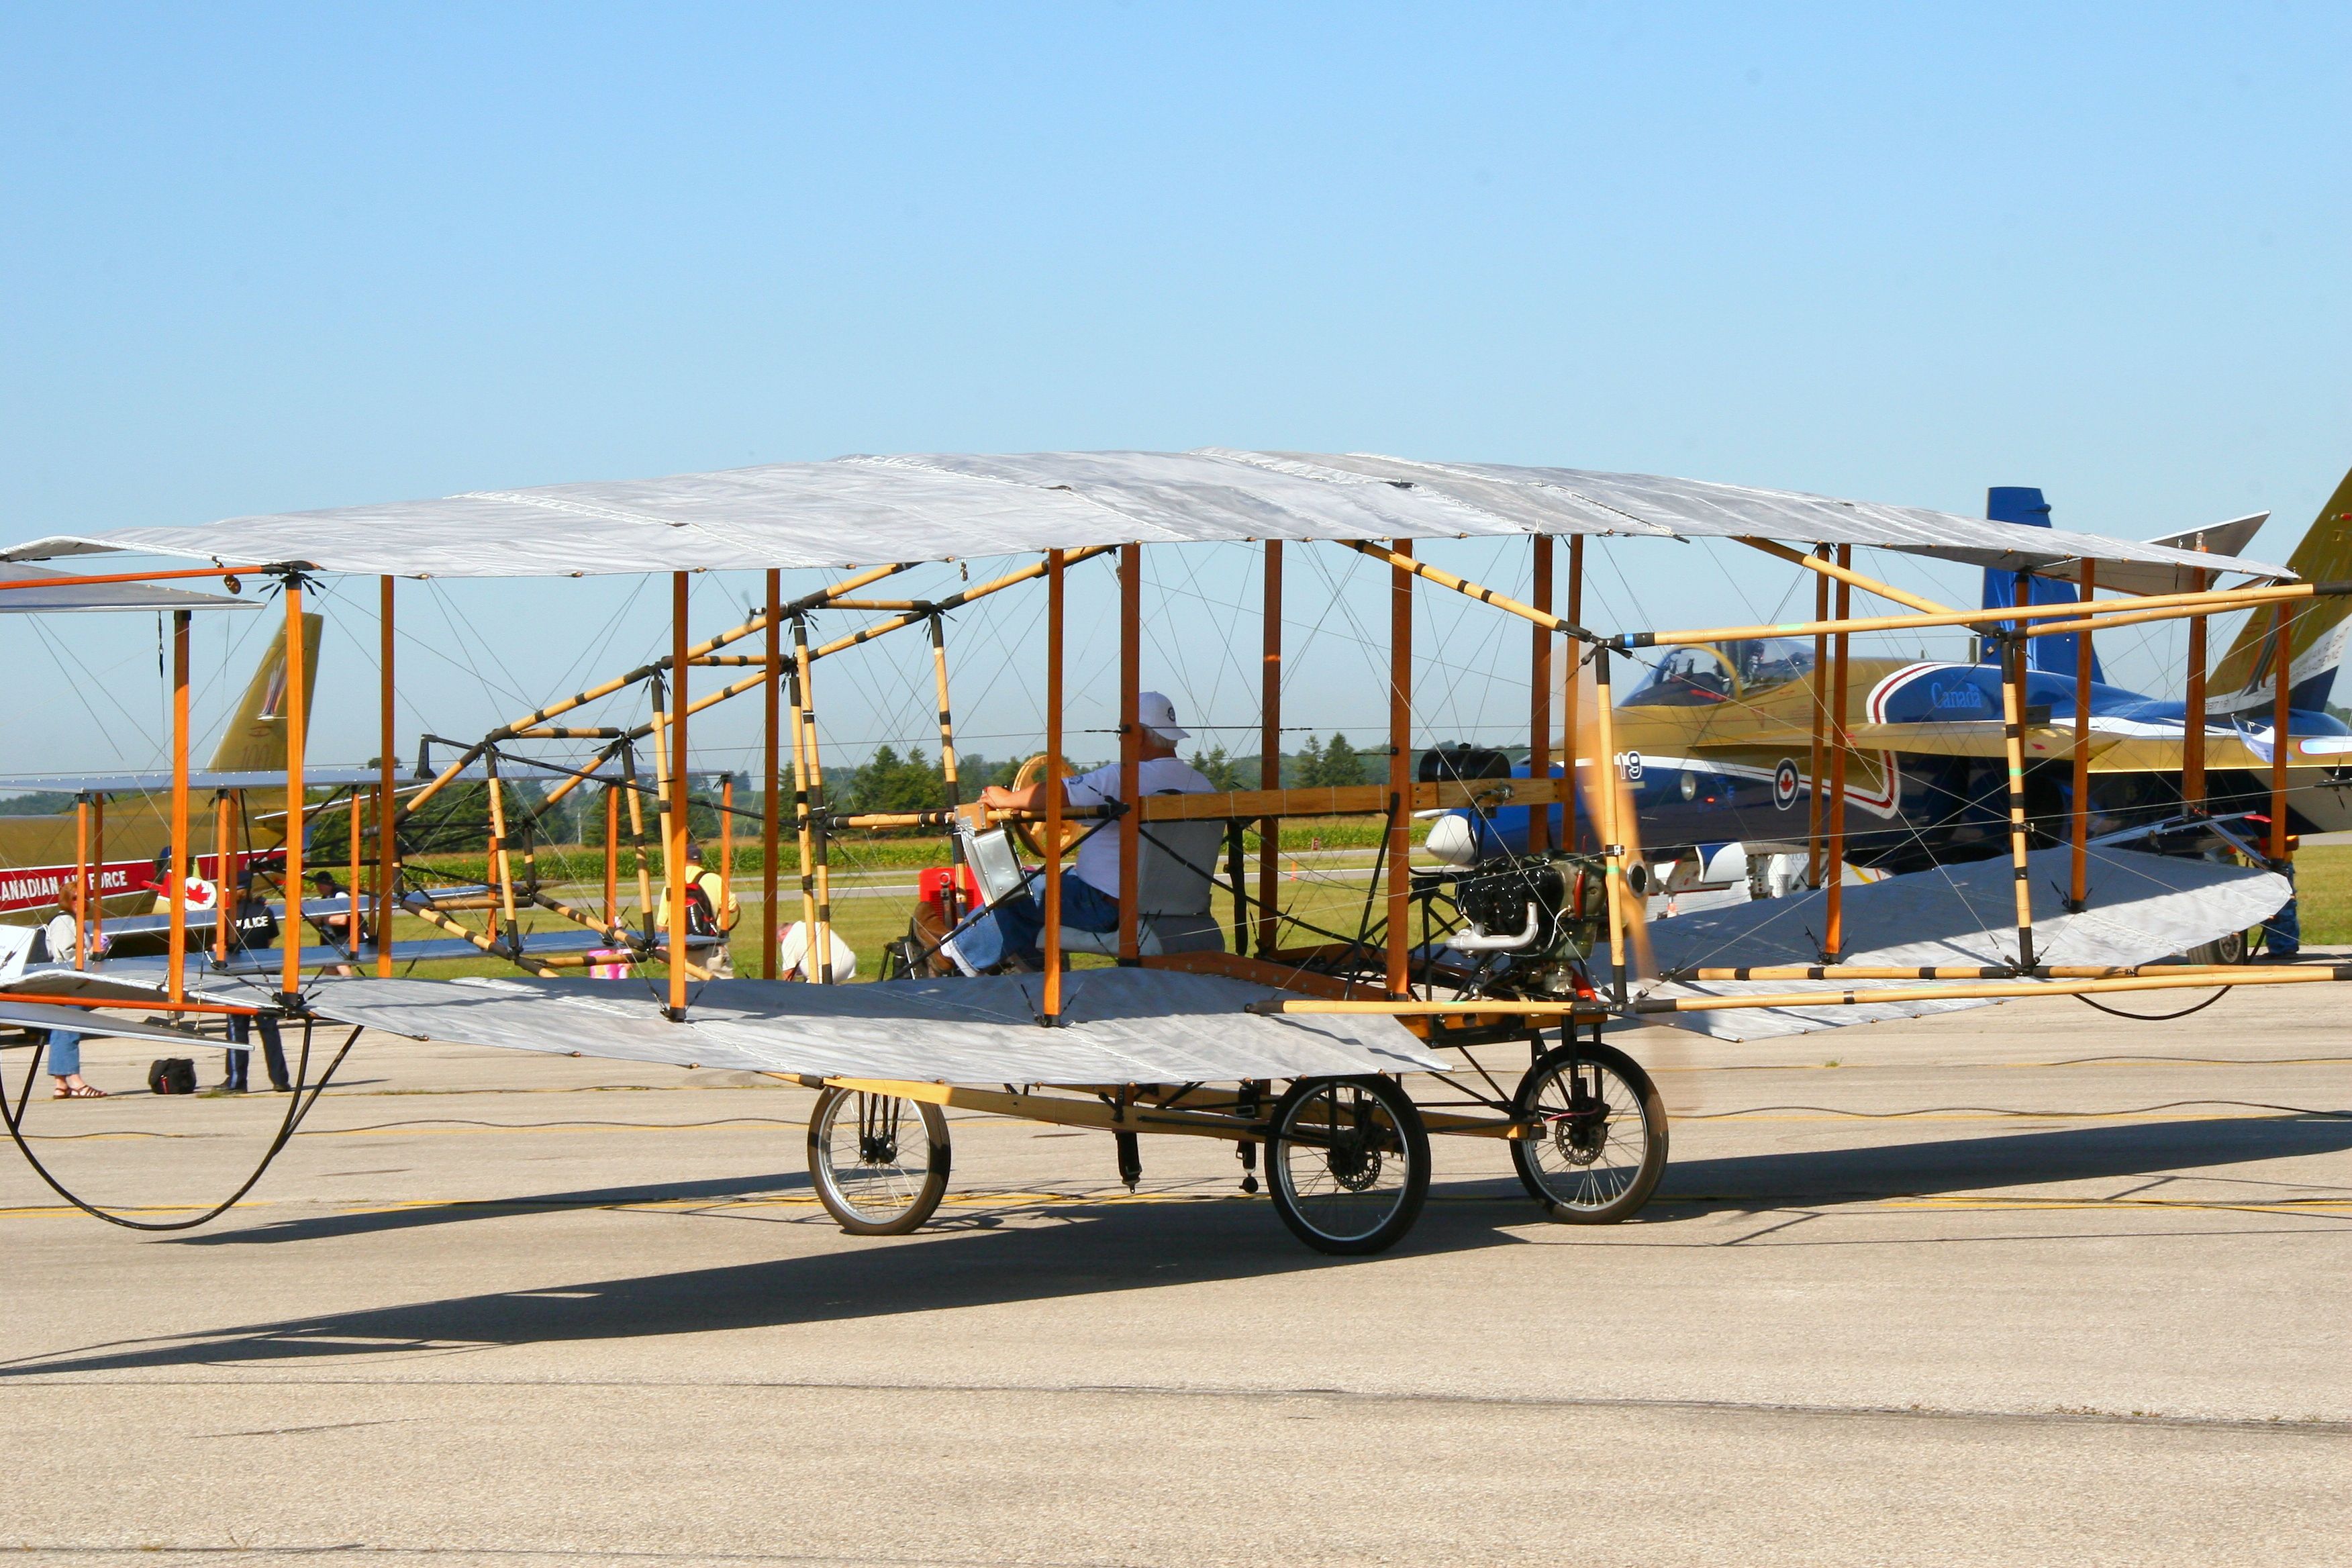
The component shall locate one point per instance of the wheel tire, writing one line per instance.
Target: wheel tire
(2230, 949)
(867, 1177)
(1584, 1174)
(1348, 1164)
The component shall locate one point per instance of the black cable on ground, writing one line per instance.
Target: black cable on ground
(298, 1106)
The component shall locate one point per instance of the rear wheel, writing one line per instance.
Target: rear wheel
(880, 1162)
(1601, 1143)
(1348, 1164)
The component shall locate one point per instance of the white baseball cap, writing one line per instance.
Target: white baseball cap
(1158, 716)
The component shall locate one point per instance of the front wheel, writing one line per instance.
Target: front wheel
(1599, 1143)
(880, 1162)
(1348, 1164)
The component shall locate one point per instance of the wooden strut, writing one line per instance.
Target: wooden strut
(388, 808)
(353, 934)
(2013, 715)
(1612, 844)
(178, 939)
(2282, 673)
(1269, 755)
(1839, 571)
(1570, 668)
(2151, 607)
(82, 880)
(2078, 880)
(673, 852)
(297, 741)
(1815, 802)
(818, 959)
(98, 853)
(1130, 746)
(1840, 741)
(2199, 979)
(1539, 697)
(2192, 723)
(1768, 972)
(772, 785)
(1055, 604)
(1403, 570)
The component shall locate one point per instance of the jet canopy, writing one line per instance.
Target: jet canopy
(1696, 677)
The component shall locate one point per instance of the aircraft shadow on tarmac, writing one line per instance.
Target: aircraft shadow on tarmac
(1100, 1249)
(2010, 1160)
(371, 1222)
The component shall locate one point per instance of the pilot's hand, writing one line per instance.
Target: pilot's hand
(996, 798)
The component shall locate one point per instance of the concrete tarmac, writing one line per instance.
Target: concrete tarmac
(2022, 1285)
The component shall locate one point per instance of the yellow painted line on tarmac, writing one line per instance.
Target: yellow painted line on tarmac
(2280, 1206)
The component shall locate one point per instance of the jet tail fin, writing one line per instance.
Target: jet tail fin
(254, 740)
(2243, 679)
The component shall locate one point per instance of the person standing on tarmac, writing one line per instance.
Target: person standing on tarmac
(710, 911)
(254, 930)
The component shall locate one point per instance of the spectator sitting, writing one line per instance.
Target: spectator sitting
(336, 927)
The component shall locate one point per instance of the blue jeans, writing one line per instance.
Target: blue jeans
(273, 1051)
(65, 1052)
(2283, 933)
(1015, 925)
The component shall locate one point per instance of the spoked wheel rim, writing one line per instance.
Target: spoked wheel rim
(1600, 1140)
(880, 1162)
(1349, 1163)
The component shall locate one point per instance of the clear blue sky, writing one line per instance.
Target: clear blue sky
(267, 258)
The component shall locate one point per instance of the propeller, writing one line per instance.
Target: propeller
(1600, 776)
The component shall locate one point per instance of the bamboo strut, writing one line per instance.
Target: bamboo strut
(424, 911)
(612, 857)
(2199, 979)
(637, 842)
(1612, 844)
(2113, 613)
(225, 898)
(819, 958)
(772, 785)
(1847, 576)
(802, 827)
(658, 690)
(956, 600)
(501, 867)
(2012, 714)
(948, 778)
(1399, 555)
(2167, 607)
(1770, 972)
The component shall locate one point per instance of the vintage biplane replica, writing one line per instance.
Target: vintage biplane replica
(1334, 1050)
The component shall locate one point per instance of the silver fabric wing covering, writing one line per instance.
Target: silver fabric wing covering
(872, 511)
(2142, 907)
(1121, 1026)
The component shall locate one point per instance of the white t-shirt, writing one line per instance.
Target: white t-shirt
(63, 935)
(1098, 851)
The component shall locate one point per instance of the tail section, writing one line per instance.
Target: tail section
(2024, 504)
(2243, 679)
(254, 740)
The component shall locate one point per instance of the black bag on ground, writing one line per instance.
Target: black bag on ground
(171, 1075)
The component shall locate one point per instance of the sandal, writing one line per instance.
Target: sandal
(79, 1091)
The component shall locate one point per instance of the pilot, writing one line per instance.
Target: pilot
(1010, 930)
